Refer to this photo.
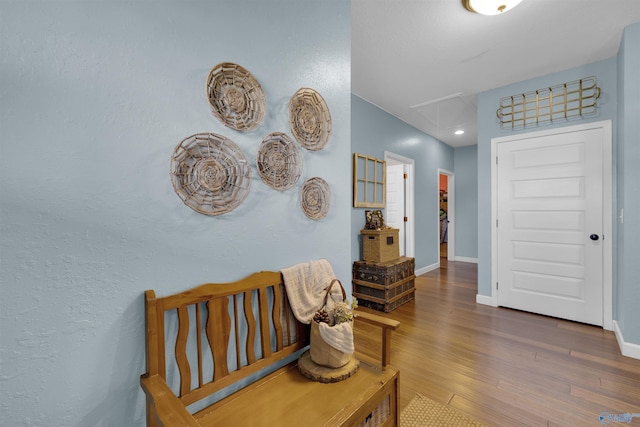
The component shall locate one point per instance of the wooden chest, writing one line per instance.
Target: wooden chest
(380, 245)
(384, 286)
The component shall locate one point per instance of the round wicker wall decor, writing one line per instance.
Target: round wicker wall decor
(235, 96)
(315, 198)
(279, 161)
(210, 173)
(310, 119)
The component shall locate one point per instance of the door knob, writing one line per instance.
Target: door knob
(594, 237)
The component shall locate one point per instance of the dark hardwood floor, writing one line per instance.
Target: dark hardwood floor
(505, 367)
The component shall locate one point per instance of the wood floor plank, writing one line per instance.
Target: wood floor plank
(495, 412)
(625, 365)
(500, 366)
(539, 402)
(622, 387)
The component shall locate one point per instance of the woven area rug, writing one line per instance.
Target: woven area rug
(424, 412)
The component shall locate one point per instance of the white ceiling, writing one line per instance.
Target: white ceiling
(425, 61)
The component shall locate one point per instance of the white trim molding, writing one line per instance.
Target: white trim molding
(465, 259)
(485, 300)
(427, 269)
(626, 348)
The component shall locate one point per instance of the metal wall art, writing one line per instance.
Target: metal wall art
(560, 102)
(315, 198)
(310, 119)
(279, 161)
(235, 96)
(210, 173)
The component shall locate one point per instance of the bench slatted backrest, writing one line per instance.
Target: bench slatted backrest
(207, 324)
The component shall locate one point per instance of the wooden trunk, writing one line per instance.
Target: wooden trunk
(384, 286)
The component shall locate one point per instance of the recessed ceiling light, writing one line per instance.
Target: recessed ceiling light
(459, 132)
(490, 7)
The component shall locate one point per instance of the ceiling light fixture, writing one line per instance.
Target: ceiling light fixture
(459, 132)
(490, 7)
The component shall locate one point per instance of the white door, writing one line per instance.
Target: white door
(550, 225)
(400, 209)
(395, 201)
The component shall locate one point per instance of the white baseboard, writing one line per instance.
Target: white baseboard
(466, 259)
(626, 348)
(485, 300)
(427, 269)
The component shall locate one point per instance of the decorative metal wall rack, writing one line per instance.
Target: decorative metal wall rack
(560, 102)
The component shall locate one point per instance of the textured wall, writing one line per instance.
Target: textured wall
(626, 263)
(95, 96)
(465, 165)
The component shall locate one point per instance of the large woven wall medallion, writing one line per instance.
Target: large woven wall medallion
(235, 96)
(310, 119)
(210, 173)
(279, 161)
(315, 198)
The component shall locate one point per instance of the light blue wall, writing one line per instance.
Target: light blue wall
(94, 98)
(488, 127)
(465, 165)
(628, 155)
(374, 131)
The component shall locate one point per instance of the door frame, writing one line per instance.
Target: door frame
(409, 201)
(607, 204)
(451, 214)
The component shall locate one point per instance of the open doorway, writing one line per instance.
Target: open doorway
(400, 200)
(446, 215)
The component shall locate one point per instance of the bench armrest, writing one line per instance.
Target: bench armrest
(387, 326)
(376, 320)
(168, 409)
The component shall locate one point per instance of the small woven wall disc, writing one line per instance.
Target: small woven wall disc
(210, 173)
(235, 96)
(279, 161)
(315, 198)
(310, 119)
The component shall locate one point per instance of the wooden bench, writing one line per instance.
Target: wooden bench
(210, 350)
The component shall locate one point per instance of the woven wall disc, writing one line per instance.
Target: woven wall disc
(310, 119)
(210, 173)
(279, 161)
(315, 198)
(235, 96)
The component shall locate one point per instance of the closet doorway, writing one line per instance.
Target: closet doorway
(446, 205)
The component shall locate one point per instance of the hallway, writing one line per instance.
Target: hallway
(505, 367)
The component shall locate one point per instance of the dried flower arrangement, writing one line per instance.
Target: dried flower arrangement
(342, 312)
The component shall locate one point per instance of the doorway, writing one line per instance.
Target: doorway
(446, 215)
(551, 244)
(400, 200)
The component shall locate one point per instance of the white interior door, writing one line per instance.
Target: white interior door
(399, 212)
(395, 201)
(550, 225)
